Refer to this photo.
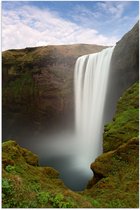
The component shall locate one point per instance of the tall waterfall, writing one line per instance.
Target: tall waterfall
(91, 80)
(72, 154)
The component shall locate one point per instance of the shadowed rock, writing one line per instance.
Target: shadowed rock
(124, 68)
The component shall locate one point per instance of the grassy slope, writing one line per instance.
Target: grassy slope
(115, 184)
(125, 123)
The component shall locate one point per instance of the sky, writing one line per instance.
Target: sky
(41, 23)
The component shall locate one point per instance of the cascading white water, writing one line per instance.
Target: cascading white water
(91, 80)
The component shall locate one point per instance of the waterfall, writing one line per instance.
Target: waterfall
(69, 153)
(90, 80)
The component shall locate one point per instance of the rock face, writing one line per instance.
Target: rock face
(126, 57)
(38, 87)
(124, 67)
(116, 171)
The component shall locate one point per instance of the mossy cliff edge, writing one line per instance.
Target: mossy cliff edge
(115, 181)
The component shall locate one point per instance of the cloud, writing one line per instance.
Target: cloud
(113, 9)
(110, 18)
(28, 26)
(100, 13)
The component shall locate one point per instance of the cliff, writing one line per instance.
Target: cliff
(38, 88)
(124, 67)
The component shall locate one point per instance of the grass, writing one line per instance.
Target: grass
(23, 88)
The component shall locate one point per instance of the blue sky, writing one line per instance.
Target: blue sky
(37, 23)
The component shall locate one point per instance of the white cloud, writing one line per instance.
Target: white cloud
(100, 13)
(114, 9)
(30, 26)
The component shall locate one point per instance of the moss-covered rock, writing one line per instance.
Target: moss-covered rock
(125, 122)
(116, 171)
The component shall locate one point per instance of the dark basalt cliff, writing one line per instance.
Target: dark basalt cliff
(125, 58)
(38, 87)
(124, 67)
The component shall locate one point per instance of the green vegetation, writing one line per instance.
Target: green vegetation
(20, 90)
(57, 201)
(116, 204)
(6, 187)
(43, 197)
(126, 121)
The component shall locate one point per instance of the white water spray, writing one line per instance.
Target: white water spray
(91, 80)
